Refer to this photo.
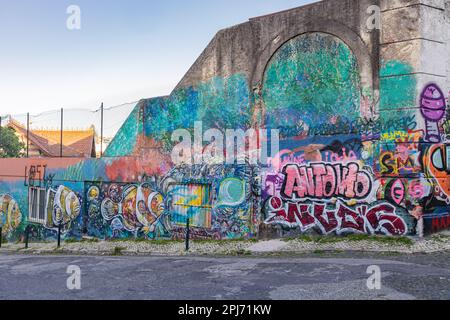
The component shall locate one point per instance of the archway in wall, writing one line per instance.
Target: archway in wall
(311, 86)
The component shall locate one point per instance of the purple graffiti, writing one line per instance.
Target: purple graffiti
(433, 106)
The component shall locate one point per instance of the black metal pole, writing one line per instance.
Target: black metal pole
(61, 138)
(101, 130)
(1, 236)
(59, 235)
(187, 233)
(28, 135)
(27, 236)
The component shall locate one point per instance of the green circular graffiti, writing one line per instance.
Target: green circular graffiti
(231, 192)
(312, 79)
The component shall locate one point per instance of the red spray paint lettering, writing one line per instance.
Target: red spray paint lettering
(378, 219)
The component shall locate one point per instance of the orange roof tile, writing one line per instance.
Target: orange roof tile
(75, 143)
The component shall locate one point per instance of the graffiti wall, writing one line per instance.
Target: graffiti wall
(342, 168)
(217, 200)
(348, 162)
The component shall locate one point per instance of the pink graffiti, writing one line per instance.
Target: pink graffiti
(311, 153)
(398, 192)
(285, 157)
(416, 189)
(433, 110)
(326, 181)
(273, 184)
(378, 219)
(334, 157)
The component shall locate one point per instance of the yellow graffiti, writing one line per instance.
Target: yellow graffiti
(10, 215)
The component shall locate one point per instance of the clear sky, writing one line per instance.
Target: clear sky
(126, 49)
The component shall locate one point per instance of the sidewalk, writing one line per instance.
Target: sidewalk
(304, 245)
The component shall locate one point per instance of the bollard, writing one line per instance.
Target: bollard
(187, 234)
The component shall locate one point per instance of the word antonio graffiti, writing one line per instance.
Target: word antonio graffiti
(326, 181)
(377, 219)
(313, 198)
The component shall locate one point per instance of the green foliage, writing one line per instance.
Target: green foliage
(353, 237)
(10, 145)
(118, 251)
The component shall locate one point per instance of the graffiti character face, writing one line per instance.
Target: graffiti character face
(157, 204)
(114, 193)
(433, 103)
(93, 193)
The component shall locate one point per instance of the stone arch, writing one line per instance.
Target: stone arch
(344, 33)
(362, 88)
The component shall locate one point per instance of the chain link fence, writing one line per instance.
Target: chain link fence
(63, 124)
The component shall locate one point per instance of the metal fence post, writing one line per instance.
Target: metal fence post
(28, 135)
(61, 137)
(187, 233)
(59, 235)
(101, 130)
(27, 236)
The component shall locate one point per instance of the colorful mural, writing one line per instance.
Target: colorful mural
(10, 215)
(346, 164)
(218, 201)
(311, 84)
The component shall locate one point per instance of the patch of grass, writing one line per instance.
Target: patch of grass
(72, 240)
(253, 240)
(440, 238)
(118, 251)
(143, 240)
(355, 238)
(383, 239)
(304, 238)
(240, 252)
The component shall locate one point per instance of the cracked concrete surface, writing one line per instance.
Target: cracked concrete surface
(329, 277)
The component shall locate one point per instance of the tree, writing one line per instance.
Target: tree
(10, 145)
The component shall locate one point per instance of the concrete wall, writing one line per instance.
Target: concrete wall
(362, 121)
(447, 20)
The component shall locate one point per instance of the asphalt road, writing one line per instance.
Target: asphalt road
(183, 278)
